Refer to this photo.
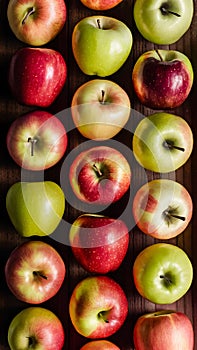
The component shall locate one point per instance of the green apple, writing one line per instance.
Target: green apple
(163, 21)
(101, 45)
(162, 273)
(162, 142)
(35, 208)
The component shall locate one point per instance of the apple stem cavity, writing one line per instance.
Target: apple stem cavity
(29, 12)
(102, 315)
(160, 57)
(170, 146)
(166, 279)
(33, 142)
(98, 171)
(39, 274)
(165, 11)
(102, 101)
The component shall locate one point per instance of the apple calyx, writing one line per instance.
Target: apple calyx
(39, 274)
(165, 11)
(170, 214)
(170, 145)
(103, 316)
(28, 13)
(32, 142)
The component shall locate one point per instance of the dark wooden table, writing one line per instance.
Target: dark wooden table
(11, 173)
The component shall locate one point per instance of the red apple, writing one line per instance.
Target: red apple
(98, 307)
(162, 78)
(100, 345)
(36, 140)
(162, 208)
(165, 329)
(100, 175)
(36, 328)
(101, 5)
(36, 22)
(99, 243)
(40, 78)
(34, 272)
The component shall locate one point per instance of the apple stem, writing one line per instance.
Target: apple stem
(168, 144)
(29, 12)
(33, 142)
(99, 23)
(97, 170)
(102, 101)
(168, 214)
(39, 274)
(160, 57)
(166, 279)
(166, 11)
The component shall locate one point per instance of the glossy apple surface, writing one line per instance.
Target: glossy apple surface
(98, 307)
(99, 243)
(41, 77)
(162, 273)
(36, 328)
(37, 140)
(34, 272)
(100, 109)
(162, 208)
(163, 22)
(35, 208)
(101, 5)
(165, 329)
(36, 22)
(162, 79)
(91, 54)
(162, 142)
(100, 345)
(100, 175)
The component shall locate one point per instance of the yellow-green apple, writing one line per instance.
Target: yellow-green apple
(162, 79)
(162, 142)
(41, 77)
(99, 243)
(162, 273)
(36, 22)
(100, 345)
(36, 328)
(36, 140)
(101, 5)
(162, 208)
(98, 307)
(100, 109)
(91, 54)
(35, 208)
(100, 175)
(163, 22)
(164, 329)
(34, 272)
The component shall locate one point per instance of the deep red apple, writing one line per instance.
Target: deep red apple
(99, 243)
(37, 75)
(37, 140)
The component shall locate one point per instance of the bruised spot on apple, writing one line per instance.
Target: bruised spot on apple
(99, 243)
(164, 329)
(98, 307)
(34, 272)
(162, 208)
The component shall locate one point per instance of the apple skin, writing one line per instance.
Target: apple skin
(34, 272)
(41, 77)
(162, 208)
(98, 307)
(88, 37)
(100, 109)
(36, 22)
(157, 24)
(162, 142)
(37, 140)
(100, 345)
(162, 79)
(36, 327)
(101, 5)
(35, 208)
(162, 273)
(99, 243)
(165, 329)
(100, 175)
